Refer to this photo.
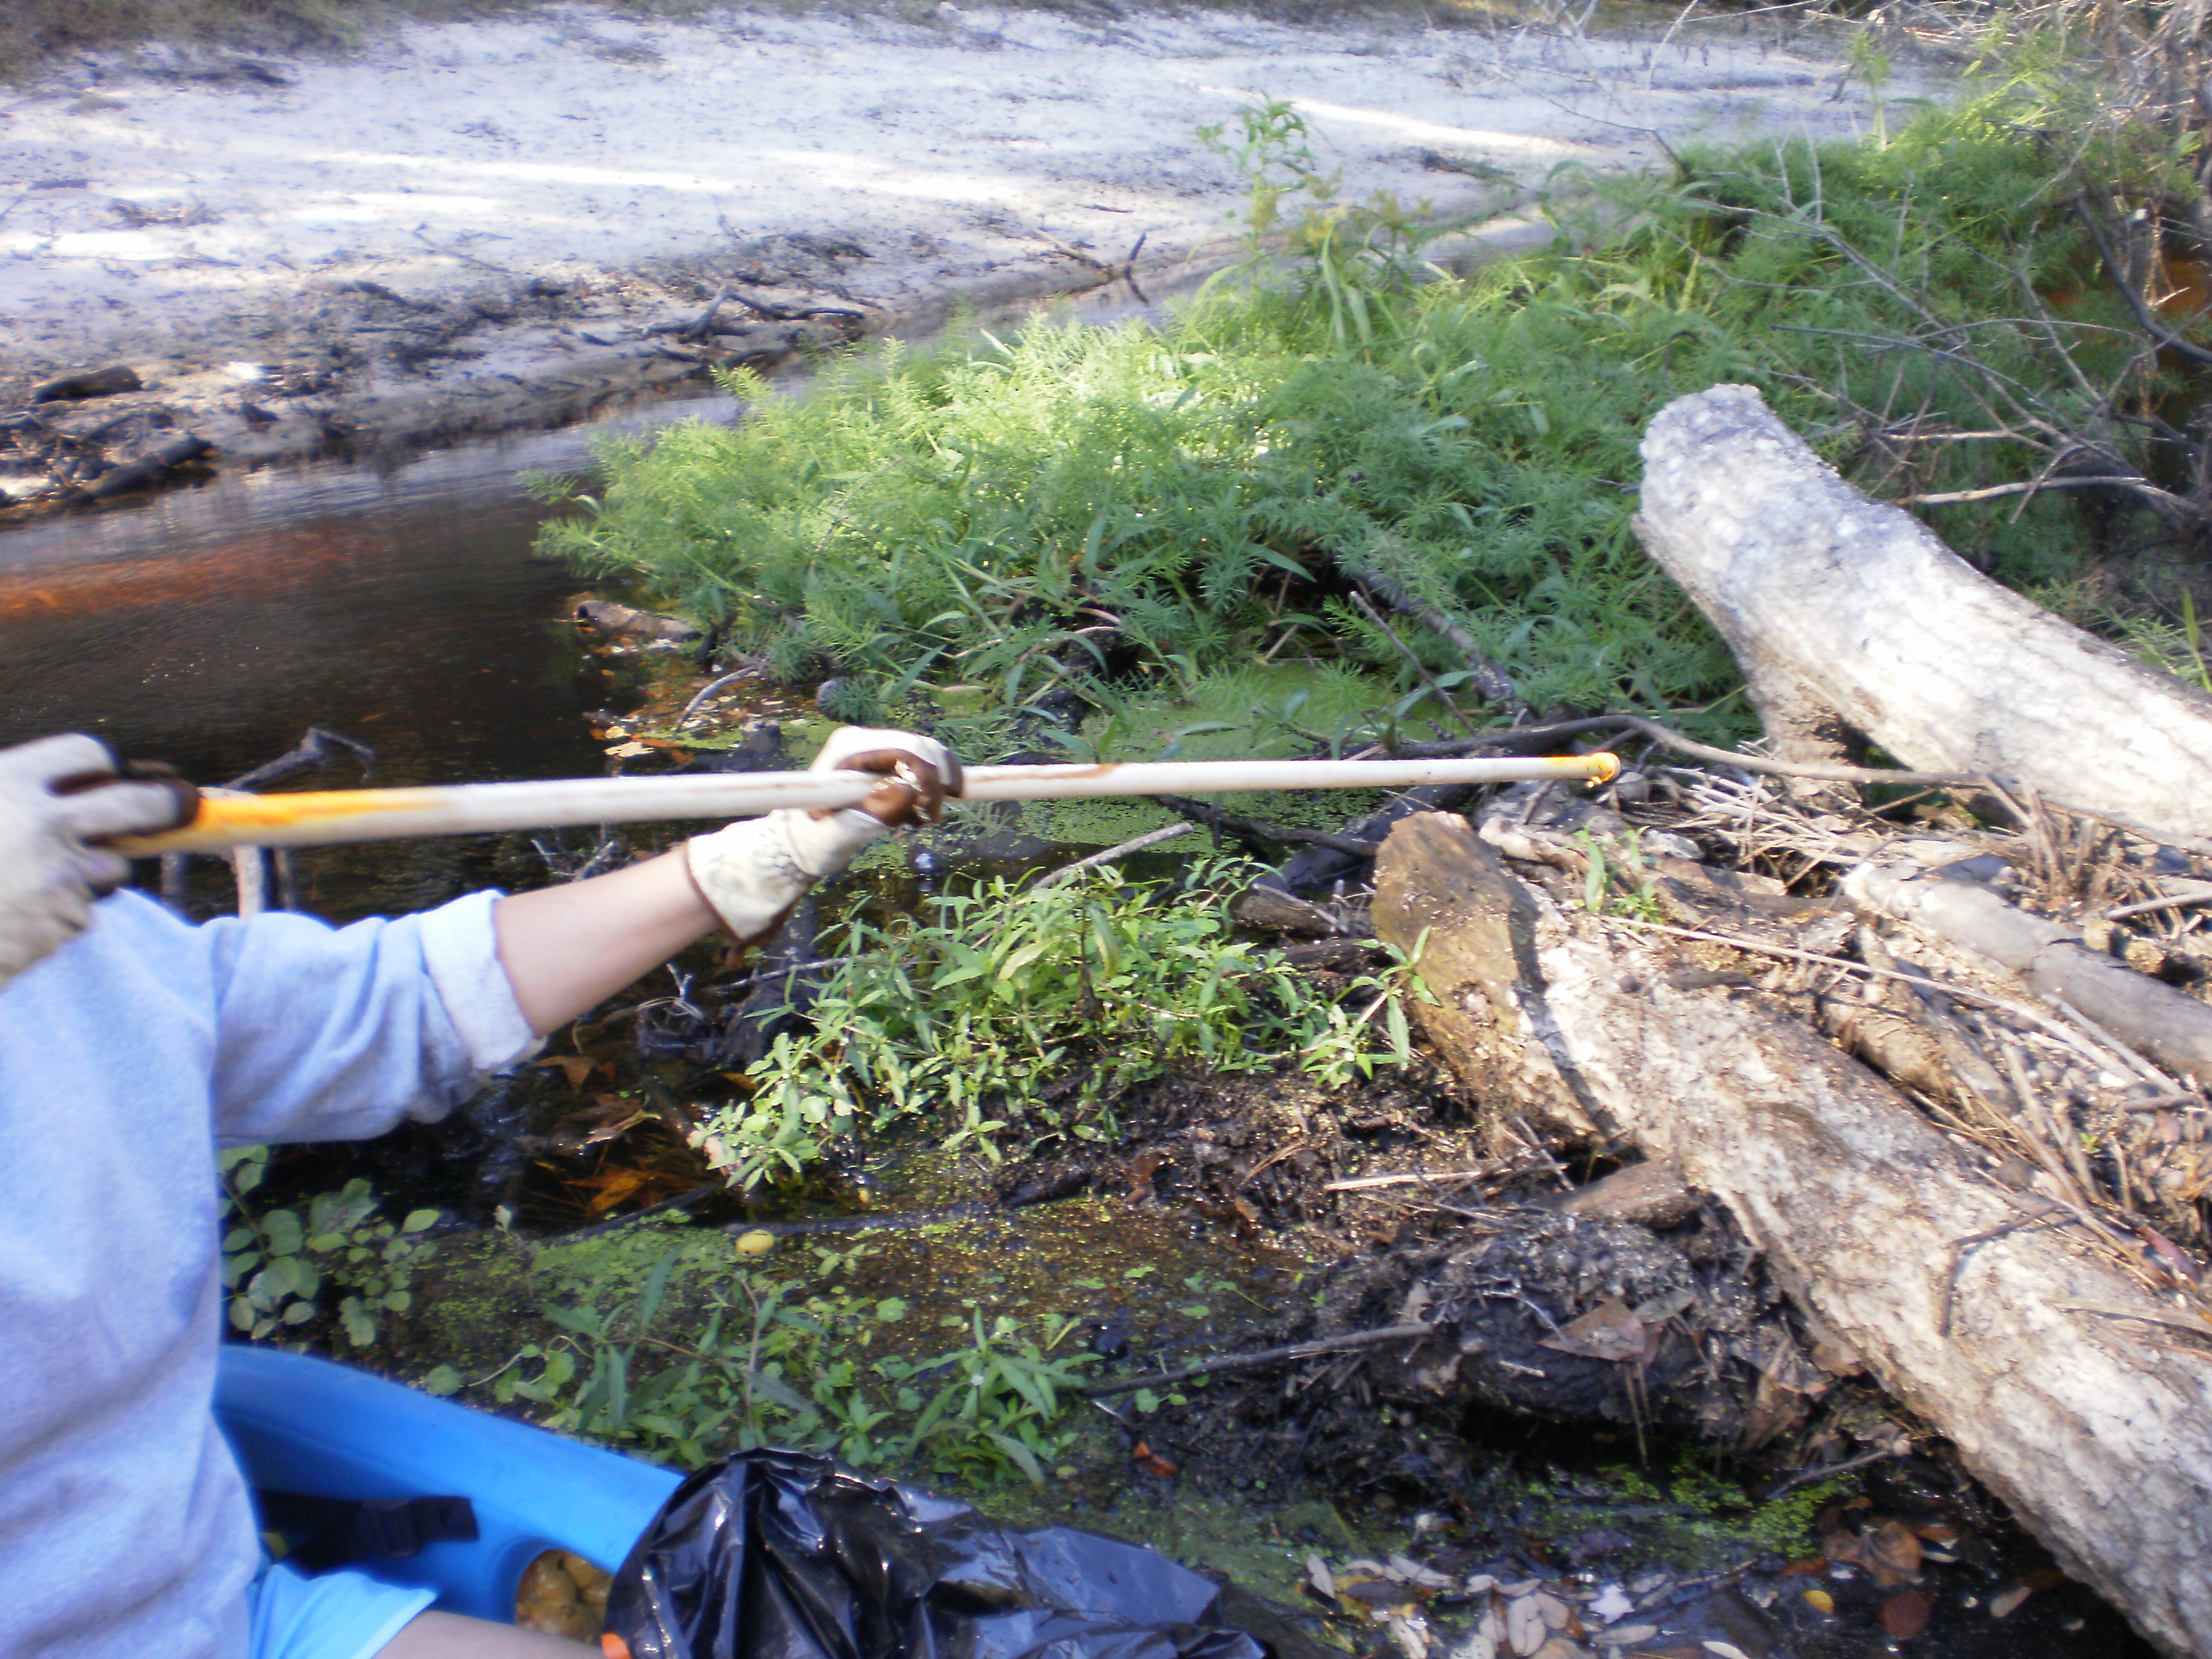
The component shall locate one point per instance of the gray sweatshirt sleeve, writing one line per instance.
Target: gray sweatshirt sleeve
(336, 1034)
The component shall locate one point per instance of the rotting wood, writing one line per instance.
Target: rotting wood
(1651, 1193)
(1469, 924)
(1849, 615)
(89, 383)
(2101, 1438)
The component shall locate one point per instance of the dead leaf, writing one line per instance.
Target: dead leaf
(1151, 1463)
(1411, 1642)
(1893, 1554)
(1819, 1601)
(1142, 1168)
(1608, 1331)
(1412, 1572)
(2166, 1253)
(1906, 1613)
(1381, 1599)
(2006, 1602)
(613, 1187)
(1846, 1549)
(1524, 1626)
(575, 1067)
(1774, 1409)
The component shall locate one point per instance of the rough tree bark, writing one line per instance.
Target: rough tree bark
(1848, 615)
(2056, 1375)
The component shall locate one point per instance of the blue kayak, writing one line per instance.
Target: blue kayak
(314, 1427)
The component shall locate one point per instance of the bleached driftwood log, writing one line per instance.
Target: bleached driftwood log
(2058, 1378)
(1849, 615)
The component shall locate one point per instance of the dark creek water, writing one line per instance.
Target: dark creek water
(401, 606)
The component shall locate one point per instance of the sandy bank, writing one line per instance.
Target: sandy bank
(503, 224)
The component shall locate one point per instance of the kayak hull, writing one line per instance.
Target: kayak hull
(302, 1424)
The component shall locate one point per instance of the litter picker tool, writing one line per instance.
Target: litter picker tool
(328, 818)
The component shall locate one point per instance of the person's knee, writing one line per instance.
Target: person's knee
(450, 1636)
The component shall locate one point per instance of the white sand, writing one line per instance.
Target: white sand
(182, 223)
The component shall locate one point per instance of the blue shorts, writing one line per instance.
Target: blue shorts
(332, 1615)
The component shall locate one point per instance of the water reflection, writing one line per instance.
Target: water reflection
(211, 628)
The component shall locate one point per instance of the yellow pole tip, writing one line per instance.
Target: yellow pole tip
(1604, 767)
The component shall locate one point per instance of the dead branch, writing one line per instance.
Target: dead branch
(1246, 1362)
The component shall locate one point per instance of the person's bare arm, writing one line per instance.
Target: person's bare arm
(565, 948)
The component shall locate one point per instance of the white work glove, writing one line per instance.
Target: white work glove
(754, 871)
(57, 797)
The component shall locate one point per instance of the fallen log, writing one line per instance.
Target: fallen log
(90, 383)
(2072, 1391)
(149, 468)
(1848, 616)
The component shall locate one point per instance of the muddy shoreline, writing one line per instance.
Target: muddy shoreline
(382, 376)
(519, 223)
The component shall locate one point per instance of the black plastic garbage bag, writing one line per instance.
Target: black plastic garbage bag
(778, 1555)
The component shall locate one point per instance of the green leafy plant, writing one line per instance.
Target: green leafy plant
(1130, 510)
(1357, 255)
(1615, 880)
(285, 1271)
(1272, 150)
(1028, 1005)
(783, 1361)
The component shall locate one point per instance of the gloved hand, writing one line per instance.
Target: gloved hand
(57, 797)
(754, 871)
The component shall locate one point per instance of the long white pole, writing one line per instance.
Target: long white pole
(330, 817)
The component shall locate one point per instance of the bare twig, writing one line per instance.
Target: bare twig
(2033, 486)
(1364, 1183)
(1135, 844)
(1419, 667)
(1668, 737)
(2165, 336)
(1247, 1362)
(1828, 1471)
(1960, 1247)
(2171, 902)
(320, 745)
(704, 326)
(691, 1200)
(455, 253)
(1489, 679)
(788, 968)
(2035, 1016)
(709, 689)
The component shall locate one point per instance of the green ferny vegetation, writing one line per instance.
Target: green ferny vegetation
(1127, 509)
